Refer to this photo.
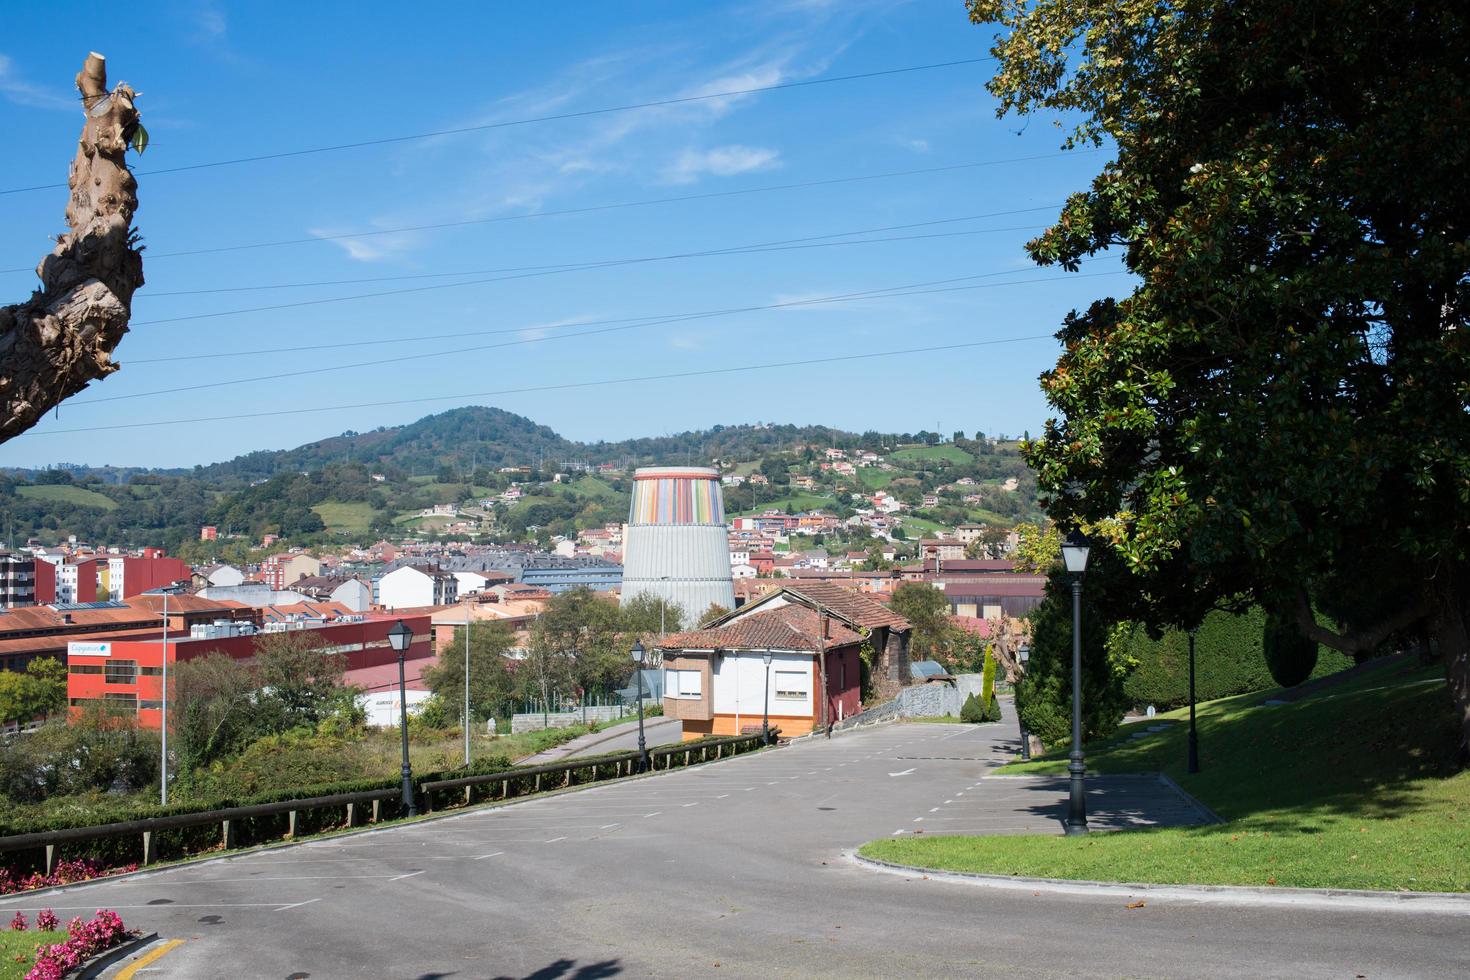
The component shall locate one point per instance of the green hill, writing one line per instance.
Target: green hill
(933, 454)
(62, 493)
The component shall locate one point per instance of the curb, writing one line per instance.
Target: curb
(95, 966)
(1332, 899)
(1193, 800)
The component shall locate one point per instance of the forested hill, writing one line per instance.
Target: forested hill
(464, 440)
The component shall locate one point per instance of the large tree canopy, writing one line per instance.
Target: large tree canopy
(1278, 412)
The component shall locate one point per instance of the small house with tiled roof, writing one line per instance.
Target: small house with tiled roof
(793, 665)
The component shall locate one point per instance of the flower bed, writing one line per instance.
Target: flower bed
(66, 873)
(83, 941)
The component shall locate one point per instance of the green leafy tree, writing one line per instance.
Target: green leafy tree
(302, 682)
(1290, 656)
(1044, 693)
(646, 614)
(1276, 412)
(37, 692)
(215, 712)
(934, 637)
(491, 681)
(578, 640)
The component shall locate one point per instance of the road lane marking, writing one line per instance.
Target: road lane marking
(484, 856)
(696, 803)
(917, 819)
(653, 814)
(722, 796)
(904, 773)
(607, 826)
(555, 839)
(126, 973)
(934, 809)
(297, 905)
(409, 875)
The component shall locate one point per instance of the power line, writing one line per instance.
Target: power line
(279, 375)
(652, 319)
(153, 294)
(557, 270)
(555, 387)
(658, 103)
(595, 208)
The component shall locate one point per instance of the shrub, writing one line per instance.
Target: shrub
(1290, 656)
(971, 713)
(1229, 659)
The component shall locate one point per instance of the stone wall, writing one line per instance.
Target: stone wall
(535, 722)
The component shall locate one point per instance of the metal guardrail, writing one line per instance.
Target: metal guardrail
(541, 777)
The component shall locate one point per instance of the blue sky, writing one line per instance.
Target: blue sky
(223, 82)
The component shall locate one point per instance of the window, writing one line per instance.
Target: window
(120, 671)
(85, 668)
(129, 699)
(791, 685)
(682, 683)
(151, 671)
(150, 705)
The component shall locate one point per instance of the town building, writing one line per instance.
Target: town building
(676, 546)
(410, 586)
(282, 570)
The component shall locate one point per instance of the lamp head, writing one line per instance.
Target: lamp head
(399, 637)
(767, 658)
(638, 652)
(1023, 653)
(1074, 552)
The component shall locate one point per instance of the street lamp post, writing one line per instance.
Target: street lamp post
(163, 704)
(638, 656)
(1074, 555)
(467, 616)
(1193, 732)
(766, 704)
(399, 637)
(1023, 654)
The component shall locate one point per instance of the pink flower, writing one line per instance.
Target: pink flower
(18, 923)
(46, 920)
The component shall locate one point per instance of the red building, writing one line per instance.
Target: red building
(129, 672)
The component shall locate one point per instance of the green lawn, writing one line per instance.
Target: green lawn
(591, 486)
(876, 479)
(923, 524)
(63, 493)
(340, 515)
(18, 950)
(1350, 788)
(933, 454)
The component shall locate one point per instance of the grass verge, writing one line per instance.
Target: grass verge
(1353, 787)
(18, 951)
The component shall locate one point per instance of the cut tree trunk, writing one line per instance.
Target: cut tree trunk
(61, 339)
(1452, 635)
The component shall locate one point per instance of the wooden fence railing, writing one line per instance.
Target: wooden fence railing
(365, 806)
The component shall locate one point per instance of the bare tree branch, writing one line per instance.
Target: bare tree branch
(61, 339)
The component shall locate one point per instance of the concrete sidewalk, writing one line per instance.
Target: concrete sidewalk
(619, 737)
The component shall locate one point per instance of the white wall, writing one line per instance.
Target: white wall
(404, 587)
(739, 684)
(355, 594)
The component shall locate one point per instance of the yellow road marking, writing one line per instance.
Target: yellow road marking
(126, 973)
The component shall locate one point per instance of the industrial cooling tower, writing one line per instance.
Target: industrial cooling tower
(676, 544)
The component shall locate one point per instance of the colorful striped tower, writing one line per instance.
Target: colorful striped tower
(676, 544)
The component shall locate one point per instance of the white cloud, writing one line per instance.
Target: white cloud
(373, 248)
(13, 89)
(210, 22)
(684, 341)
(721, 161)
(918, 146)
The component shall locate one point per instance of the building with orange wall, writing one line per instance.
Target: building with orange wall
(128, 673)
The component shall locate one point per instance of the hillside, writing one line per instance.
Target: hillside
(360, 486)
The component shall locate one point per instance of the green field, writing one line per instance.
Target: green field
(591, 486)
(923, 524)
(798, 501)
(340, 515)
(66, 494)
(18, 950)
(933, 454)
(876, 479)
(1352, 787)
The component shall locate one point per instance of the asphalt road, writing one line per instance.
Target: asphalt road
(732, 869)
(656, 731)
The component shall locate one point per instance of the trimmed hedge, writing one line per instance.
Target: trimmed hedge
(1230, 659)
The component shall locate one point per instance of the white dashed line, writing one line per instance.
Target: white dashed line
(555, 839)
(691, 804)
(297, 905)
(409, 875)
(653, 814)
(607, 826)
(484, 856)
(917, 819)
(722, 796)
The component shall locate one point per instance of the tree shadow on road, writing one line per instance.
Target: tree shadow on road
(565, 969)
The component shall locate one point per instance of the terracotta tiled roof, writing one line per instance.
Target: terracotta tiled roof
(785, 628)
(849, 605)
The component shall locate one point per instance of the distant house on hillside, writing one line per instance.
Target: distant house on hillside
(410, 586)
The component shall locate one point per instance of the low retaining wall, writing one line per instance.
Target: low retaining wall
(535, 722)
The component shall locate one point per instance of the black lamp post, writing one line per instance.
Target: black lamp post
(1193, 732)
(766, 703)
(1074, 555)
(1023, 654)
(638, 656)
(399, 637)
